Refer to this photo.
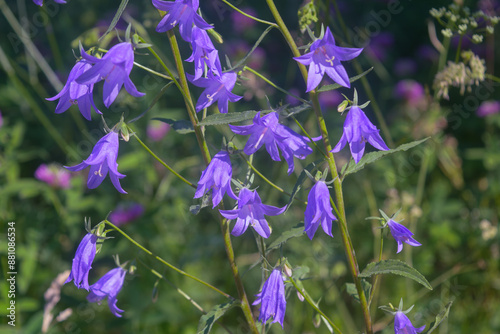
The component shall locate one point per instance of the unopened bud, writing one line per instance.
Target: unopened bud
(342, 106)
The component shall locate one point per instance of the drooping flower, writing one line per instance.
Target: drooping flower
(125, 213)
(54, 175)
(182, 13)
(402, 234)
(217, 89)
(82, 262)
(267, 130)
(217, 176)
(108, 286)
(204, 53)
(74, 93)
(114, 68)
(251, 211)
(318, 210)
(272, 299)
(102, 159)
(403, 325)
(40, 2)
(325, 57)
(357, 131)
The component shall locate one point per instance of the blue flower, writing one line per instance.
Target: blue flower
(101, 160)
(114, 68)
(272, 299)
(74, 93)
(325, 57)
(357, 131)
(217, 89)
(402, 234)
(403, 325)
(108, 286)
(217, 176)
(82, 263)
(318, 210)
(251, 211)
(204, 53)
(182, 13)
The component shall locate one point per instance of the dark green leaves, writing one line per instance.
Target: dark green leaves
(208, 320)
(232, 117)
(118, 14)
(295, 231)
(181, 126)
(395, 267)
(440, 317)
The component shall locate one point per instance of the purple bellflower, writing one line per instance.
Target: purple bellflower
(325, 56)
(204, 52)
(75, 93)
(402, 234)
(272, 299)
(82, 263)
(182, 13)
(403, 325)
(217, 89)
(357, 131)
(217, 176)
(114, 68)
(108, 286)
(318, 210)
(267, 130)
(102, 159)
(251, 211)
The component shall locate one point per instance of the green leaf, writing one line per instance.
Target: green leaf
(337, 86)
(182, 126)
(369, 158)
(395, 267)
(295, 231)
(232, 117)
(353, 292)
(440, 317)
(208, 320)
(118, 14)
(301, 179)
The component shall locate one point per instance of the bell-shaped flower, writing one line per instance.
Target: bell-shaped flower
(74, 93)
(357, 131)
(204, 53)
(318, 210)
(114, 68)
(326, 57)
(82, 262)
(182, 13)
(403, 325)
(217, 89)
(251, 211)
(216, 177)
(402, 234)
(101, 160)
(272, 299)
(267, 131)
(108, 286)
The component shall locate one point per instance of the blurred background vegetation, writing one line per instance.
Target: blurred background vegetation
(448, 188)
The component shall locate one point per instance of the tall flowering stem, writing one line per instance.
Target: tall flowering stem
(340, 208)
(224, 223)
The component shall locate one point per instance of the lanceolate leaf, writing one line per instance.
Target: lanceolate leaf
(395, 267)
(118, 14)
(301, 179)
(371, 157)
(181, 126)
(232, 117)
(337, 86)
(208, 320)
(440, 317)
(296, 231)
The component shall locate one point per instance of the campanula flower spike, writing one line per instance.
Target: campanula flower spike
(114, 68)
(326, 57)
(74, 93)
(272, 299)
(217, 176)
(101, 160)
(318, 210)
(217, 89)
(402, 234)
(182, 13)
(250, 212)
(204, 53)
(108, 286)
(82, 262)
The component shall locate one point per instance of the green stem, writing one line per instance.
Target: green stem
(160, 160)
(313, 305)
(346, 239)
(250, 16)
(182, 272)
(457, 54)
